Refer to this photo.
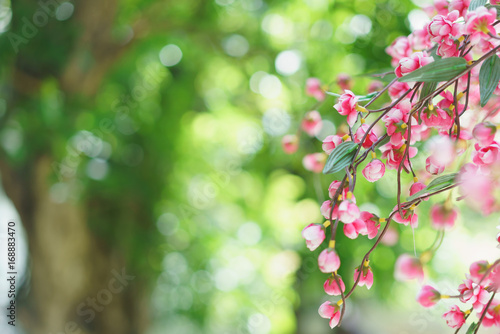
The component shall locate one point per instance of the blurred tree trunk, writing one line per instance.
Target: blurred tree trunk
(71, 270)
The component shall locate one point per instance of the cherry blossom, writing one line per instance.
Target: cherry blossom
(411, 63)
(454, 317)
(290, 144)
(366, 277)
(407, 268)
(428, 296)
(347, 106)
(314, 235)
(374, 170)
(330, 311)
(311, 124)
(332, 288)
(328, 261)
(314, 162)
(313, 88)
(479, 23)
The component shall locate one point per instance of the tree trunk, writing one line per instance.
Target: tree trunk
(75, 282)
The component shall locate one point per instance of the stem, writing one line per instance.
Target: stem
(381, 92)
(342, 296)
(466, 317)
(484, 312)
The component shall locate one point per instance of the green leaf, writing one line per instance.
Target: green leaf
(437, 184)
(367, 97)
(489, 75)
(428, 88)
(360, 97)
(442, 181)
(474, 4)
(340, 158)
(472, 328)
(437, 71)
(383, 141)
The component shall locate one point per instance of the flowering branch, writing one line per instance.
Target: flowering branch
(432, 90)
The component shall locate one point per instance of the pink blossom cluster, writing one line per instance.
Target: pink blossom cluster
(449, 129)
(476, 294)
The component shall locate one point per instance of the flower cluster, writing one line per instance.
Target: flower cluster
(450, 124)
(476, 293)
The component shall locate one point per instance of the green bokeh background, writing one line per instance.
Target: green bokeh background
(179, 169)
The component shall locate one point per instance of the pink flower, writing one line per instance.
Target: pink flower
(442, 217)
(460, 5)
(374, 170)
(290, 144)
(311, 124)
(330, 311)
(447, 101)
(314, 162)
(473, 293)
(419, 40)
(326, 207)
(332, 189)
(395, 118)
(372, 225)
(443, 27)
(440, 7)
(484, 133)
(375, 86)
(371, 138)
(432, 167)
(479, 23)
(428, 296)
(397, 89)
(328, 261)
(314, 235)
(330, 142)
(492, 316)
(399, 49)
(407, 268)
(484, 46)
(346, 106)
(344, 81)
(442, 150)
(448, 48)
(478, 270)
(394, 156)
(313, 88)
(454, 317)
(409, 217)
(410, 64)
(478, 188)
(416, 187)
(348, 212)
(366, 278)
(493, 279)
(357, 227)
(436, 118)
(332, 288)
(486, 155)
